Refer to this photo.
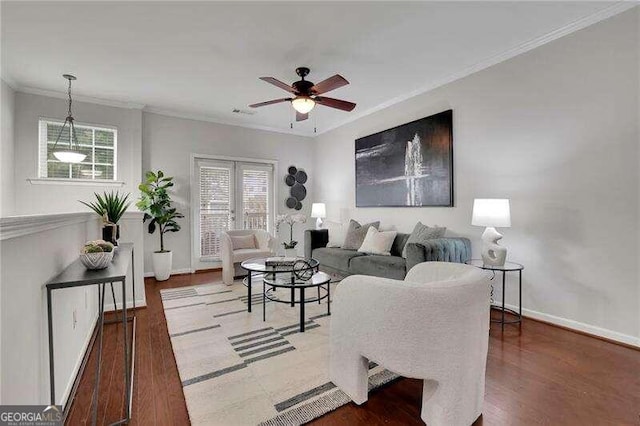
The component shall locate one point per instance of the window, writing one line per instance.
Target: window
(229, 195)
(216, 206)
(98, 143)
(255, 196)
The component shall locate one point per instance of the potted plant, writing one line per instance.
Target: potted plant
(290, 219)
(155, 202)
(110, 207)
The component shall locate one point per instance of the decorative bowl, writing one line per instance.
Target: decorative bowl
(95, 261)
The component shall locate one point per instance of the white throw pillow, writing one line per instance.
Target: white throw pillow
(336, 234)
(378, 242)
(243, 242)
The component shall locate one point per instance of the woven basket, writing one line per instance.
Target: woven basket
(94, 261)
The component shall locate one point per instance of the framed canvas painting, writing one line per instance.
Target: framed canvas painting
(410, 165)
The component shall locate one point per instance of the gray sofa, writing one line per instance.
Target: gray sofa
(351, 262)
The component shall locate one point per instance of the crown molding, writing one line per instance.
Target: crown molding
(18, 226)
(211, 119)
(605, 13)
(79, 98)
(9, 82)
(608, 12)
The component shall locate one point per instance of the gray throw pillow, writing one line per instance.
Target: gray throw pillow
(356, 233)
(421, 233)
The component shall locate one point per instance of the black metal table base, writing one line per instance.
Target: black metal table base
(267, 289)
(78, 277)
(503, 309)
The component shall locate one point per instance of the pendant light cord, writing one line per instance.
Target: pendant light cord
(72, 128)
(70, 100)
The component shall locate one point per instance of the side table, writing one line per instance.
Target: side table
(76, 275)
(507, 267)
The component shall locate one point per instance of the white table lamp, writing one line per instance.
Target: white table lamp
(492, 213)
(319, 211)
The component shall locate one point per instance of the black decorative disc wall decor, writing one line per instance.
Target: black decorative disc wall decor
(295, 179)
(298, 191)
(301, 176)
(291, 202)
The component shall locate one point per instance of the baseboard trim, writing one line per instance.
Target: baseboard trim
(582, 328)
(203, 271)
(140, 303)
(182, 271)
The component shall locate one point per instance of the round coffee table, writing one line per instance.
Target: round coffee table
(319, 280)
(258, 268)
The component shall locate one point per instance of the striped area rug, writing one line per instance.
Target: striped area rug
(238, 370)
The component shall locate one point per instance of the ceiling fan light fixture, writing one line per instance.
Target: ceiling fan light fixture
(303, 104)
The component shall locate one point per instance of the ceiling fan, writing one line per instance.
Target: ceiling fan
(306, 94)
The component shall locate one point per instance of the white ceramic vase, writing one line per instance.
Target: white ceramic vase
(291, 252)
(162, 265)
(493, 254)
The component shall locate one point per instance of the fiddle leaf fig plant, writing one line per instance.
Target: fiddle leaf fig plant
(155, 202)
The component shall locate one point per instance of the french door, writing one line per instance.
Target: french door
(228, 195)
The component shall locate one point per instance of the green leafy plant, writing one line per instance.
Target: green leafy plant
(155, 202)
(109, 206)
(97, 246)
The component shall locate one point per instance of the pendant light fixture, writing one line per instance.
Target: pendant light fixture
(68, 153)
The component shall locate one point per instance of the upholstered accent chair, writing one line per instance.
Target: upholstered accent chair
(433, 325)
(231, 258)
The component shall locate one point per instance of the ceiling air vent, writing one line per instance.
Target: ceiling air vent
(243, 111)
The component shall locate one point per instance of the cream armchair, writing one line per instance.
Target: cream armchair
(434, 326)
(231, 259)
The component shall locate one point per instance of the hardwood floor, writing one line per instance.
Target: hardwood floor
(541, 375)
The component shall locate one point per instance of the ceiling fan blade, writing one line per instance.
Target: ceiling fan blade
(278, 83)
(275, 101)
(301, 117)
(335, 103)
(329, 84)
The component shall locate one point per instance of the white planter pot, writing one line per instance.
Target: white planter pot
(291, 252)
(162, 265)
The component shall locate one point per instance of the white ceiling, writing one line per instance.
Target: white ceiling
(204, 58)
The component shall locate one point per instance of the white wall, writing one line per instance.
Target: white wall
(7, 185)
(61, 198)
(638, 121)
(23, 314)
(32, 198)
(168, 143)
(51, 242)
(556, 131)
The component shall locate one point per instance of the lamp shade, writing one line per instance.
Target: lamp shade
(318, 210)
(303, 104)
(491, 212)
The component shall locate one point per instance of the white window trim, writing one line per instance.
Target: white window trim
(74, 181)
(79, 182)
(194, 210)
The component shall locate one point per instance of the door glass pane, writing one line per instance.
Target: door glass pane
(215, 208)
(255, 198)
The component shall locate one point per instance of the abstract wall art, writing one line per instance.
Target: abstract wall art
(410, 165)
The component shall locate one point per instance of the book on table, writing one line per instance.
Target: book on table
(280, 261)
